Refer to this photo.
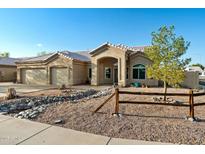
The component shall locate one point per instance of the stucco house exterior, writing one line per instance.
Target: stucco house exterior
(119, 64)
(107, 64)
(8, 69)
(124, 65)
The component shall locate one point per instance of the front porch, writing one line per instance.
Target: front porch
(109, 71)
(118, 65)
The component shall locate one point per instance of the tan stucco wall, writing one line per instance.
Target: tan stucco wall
(80, 73)
(191, 80)
(98, 66)
(114, 53)
(139, 59)
(77, 71)
(7, 73)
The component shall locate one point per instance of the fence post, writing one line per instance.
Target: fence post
(116, 100)
(191, 104)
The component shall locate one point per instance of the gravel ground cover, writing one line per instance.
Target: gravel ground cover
(142, 122)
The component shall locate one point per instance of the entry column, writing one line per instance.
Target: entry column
(123, 70)
(95, 76)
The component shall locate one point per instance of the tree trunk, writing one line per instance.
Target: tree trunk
(11, 93)
(165, 90)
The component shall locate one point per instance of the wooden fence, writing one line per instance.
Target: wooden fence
(190, 103)
(190, 95)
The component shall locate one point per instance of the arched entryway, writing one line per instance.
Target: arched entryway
(108, 72)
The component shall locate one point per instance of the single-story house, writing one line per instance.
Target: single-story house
(57, 68)
(119, 64)
(8, 69)
(107, 64)
(124, 65)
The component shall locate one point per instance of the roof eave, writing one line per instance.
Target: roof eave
(37, 61)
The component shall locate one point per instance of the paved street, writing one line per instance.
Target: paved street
(17, 131)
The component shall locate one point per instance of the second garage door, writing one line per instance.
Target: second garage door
(34, 76)
(59, 76)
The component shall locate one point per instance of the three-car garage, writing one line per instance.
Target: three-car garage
(53, 69)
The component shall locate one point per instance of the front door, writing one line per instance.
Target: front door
(115, 75)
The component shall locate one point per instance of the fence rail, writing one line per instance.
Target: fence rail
(190, 95)
(190, 103)
(151, 103)
(99, 107)
(151, 93)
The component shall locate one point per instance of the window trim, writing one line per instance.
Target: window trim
(127, 73)
(90, 73)
(105, 72)
(138, 67)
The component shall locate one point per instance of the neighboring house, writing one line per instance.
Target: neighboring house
(56, 68)
(194, 69)
(8, 69)
(107, 64)
(197, 69)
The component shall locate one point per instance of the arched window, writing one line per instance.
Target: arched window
(138, 71)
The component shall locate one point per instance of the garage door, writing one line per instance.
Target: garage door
(34, 76)
(59, 76)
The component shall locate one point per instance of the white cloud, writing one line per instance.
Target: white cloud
(39, 45)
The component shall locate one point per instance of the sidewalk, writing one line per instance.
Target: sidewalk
(18, 131)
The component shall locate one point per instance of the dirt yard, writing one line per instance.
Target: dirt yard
(142, 122)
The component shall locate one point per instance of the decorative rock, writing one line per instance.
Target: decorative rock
(33, 116)
(20, 117)
(13, 107)
(40, 109)
(33, 106)
(3, 113)
(59, 121)
(31, 103)
(191, 119)
(117, 115)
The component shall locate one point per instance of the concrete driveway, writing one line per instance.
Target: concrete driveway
(21, 88)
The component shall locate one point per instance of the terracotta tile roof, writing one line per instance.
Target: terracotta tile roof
(123, 47)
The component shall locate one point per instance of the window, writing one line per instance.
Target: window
(90, 73)
(139, 71)
(107, 72)
(127, 73)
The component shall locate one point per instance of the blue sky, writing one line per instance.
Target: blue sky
(25, 32)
